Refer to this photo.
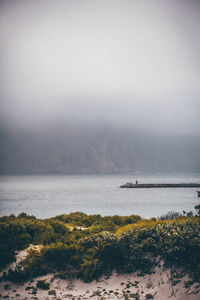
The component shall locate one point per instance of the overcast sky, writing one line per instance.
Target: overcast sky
(127, 63)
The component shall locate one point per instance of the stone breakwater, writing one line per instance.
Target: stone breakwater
(160, 185)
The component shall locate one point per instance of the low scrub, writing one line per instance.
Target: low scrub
(104, 244)
(42, 284)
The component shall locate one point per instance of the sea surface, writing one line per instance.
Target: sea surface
(47, 196)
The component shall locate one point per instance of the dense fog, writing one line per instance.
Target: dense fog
(99, 86)
(75, 149)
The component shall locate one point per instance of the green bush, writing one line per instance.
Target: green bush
(52, 292)
(124, 244)
(149, 296)
(42, 284)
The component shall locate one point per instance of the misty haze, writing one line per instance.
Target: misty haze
(99, 86)
(100, 149)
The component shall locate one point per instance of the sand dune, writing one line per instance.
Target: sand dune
(159, 286)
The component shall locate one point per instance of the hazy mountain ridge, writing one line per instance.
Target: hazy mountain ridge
(87, 149)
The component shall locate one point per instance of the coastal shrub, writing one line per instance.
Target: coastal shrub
(133, 295)
(17, 233)
(16, 276)
(13, 236)
(52, 292)
(170, 215)
(101, 255)
(42, 284)
(101, 245)
(51, 258)
(59, 228)
(149, 296)
(59, 255)
(24, 215)
(177, 242)
(81, 219)
(197, 207)
(109, 226)
(6, 286)
(140, 224)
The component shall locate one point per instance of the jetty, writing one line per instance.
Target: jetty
(159, 185)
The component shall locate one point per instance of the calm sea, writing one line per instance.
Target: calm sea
(46, 196)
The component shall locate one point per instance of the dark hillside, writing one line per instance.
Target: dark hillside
(76, 149)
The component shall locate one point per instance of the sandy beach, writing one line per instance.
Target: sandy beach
(159, 286)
